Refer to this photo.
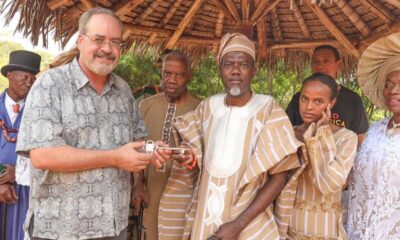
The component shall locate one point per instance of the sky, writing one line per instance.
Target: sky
(7, 34)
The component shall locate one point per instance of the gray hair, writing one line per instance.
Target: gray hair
(180, 57)
(84, 19)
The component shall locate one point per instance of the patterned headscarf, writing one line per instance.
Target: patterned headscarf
(236, 42)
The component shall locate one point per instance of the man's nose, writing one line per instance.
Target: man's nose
(236, 69)
(106, 47)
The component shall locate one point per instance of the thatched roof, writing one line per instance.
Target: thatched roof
(287, 29)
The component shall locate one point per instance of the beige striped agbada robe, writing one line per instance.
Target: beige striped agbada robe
(329, 157)
(237, 149)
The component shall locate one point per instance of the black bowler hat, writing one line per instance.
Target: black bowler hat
(24, 61)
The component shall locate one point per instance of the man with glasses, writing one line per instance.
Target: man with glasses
(78, 129)
(241, 147)
(159, 112)
(14, 170)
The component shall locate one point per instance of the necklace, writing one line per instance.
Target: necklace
(6, 132)
(393, 130)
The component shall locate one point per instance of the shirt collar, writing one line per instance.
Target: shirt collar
(81, 79)
(8, 100)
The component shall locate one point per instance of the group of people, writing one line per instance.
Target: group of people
(233, 166)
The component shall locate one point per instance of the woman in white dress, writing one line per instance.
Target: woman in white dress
(374, 205)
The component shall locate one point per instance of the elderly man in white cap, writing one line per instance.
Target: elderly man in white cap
(240, 148)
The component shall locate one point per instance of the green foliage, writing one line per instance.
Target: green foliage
(5, 49)
(138, 70)
(206, 81)
(373, 113)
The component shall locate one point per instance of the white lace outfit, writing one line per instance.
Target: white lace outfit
(374, 204)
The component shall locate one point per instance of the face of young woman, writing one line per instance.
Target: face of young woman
(314, 99)
(391, 92)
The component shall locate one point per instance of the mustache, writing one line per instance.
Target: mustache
(110, 56)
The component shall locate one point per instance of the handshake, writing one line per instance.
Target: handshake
(153, 152)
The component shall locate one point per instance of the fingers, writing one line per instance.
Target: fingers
(161, 144)
(157, 163)
(8, 194)
(136, 206)
(9, 175)
(3, 178)
(136, 144)
(14, 196)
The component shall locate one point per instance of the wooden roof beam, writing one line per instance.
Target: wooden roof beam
(219, 24)
(276, 28)
(170, 13)
(263, 9)
(393, 28)
(138, 28)
(125, 8)
(395, 3)
(148, 10)
(198, 40)
(262, 41)
(378, 10)
(246, 8)
(56, 4)
(190, 39)
(262, 37)
(233, 9)
(304, 44)
(277, 31)
(183, 24)
(299, 17)
(87, 4)
(165, 20)
(327, 22)
(221, 6)
(353, 16)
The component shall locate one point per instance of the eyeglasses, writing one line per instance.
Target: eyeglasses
(101, 41)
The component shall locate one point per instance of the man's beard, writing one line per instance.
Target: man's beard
(101, 68)
(235, 91)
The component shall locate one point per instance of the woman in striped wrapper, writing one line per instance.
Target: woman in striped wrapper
(329, 152)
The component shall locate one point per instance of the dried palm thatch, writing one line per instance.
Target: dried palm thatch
(282, 29)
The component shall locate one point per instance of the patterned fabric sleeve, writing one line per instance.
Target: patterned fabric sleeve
(331, 162)
(139, 128)
(41, 123)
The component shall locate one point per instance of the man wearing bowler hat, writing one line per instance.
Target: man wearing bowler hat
(14, 171)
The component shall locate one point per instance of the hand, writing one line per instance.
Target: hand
(228, 231)
(186, 158)
(140, 194)
(160, 155)
(8, 176)
(326, 117)
(128, 158)
(8, 194)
